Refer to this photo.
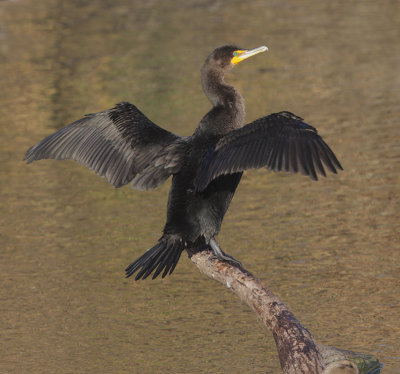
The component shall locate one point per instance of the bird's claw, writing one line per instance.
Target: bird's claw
(227, 258)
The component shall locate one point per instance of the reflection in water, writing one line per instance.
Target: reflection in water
(329, 249)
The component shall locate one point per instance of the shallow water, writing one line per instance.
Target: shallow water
(329, 249)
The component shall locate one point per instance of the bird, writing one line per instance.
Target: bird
(123, 145)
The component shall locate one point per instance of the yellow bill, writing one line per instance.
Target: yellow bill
(241, 55)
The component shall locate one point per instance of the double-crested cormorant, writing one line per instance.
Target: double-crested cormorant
(124, 146)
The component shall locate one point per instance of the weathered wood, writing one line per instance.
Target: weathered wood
(298, 352)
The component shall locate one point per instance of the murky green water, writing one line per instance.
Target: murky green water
(329, 249)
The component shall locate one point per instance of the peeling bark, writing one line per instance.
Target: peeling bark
(298, 352)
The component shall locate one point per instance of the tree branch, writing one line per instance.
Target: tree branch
(298, 351)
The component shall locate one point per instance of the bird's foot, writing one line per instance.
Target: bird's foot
(219, 254)
(227, 258)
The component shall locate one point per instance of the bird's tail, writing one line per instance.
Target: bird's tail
(163, 256)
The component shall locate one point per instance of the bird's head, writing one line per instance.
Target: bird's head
(227, 56)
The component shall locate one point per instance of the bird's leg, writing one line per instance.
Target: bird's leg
(221, 255)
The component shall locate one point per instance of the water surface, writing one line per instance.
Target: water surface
(329, 249)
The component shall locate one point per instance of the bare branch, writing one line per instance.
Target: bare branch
(298, 352)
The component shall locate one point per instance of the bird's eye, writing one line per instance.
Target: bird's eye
(235, 53)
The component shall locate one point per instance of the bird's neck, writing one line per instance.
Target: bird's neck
(222, 94)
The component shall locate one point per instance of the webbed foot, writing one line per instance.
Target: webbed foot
(221, 255)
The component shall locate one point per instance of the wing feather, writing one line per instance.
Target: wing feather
(287, 156)
(279, 142)
(119, 144)
(317, 160)
(310, 162)
(294, 168)
(325, 157)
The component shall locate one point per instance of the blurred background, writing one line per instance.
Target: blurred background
(329, 249)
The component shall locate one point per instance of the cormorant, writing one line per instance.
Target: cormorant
(124, 146)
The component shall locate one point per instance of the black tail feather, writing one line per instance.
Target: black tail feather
(165, 262)
(174, 262)
(163, 256)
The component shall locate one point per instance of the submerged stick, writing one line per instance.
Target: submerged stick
(298, 351)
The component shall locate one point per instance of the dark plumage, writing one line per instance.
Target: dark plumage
(124, 146)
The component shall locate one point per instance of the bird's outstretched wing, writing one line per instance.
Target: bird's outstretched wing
(119, 144)
(279, 142)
